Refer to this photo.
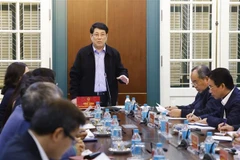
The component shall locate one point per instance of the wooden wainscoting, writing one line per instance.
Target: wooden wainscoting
(126, 20)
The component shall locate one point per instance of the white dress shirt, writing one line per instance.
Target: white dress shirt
(100, 79)
(40, 149)
(225, 100)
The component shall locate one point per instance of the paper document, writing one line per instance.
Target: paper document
(198, 124)
(88, 126)
(89, 134)
(201, 127)
(222, 138)
(230, 133)
(102, 156)
(161, 108)
(176, 118)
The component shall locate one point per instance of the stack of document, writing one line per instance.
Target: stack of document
(222, 138)
(161, 108)
(201, 126)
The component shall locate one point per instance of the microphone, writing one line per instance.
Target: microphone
(108, 90)
(183, 144)
(110, 107)
(208, 157)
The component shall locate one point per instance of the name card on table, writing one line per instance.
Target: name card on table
(195, 141)
(223, 154)
(86, 101)
(152, 116)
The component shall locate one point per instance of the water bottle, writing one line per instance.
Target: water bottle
(185, 131)
(158, 152)
(116, 131)
(97, 111)
(163, 124)
(106, 115)
(133, 103)
(208, 142)
(144, 111)
(107, 119)
(136, 138)
(127, 104)
(114, 121)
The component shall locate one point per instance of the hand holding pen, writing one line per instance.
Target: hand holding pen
(191, 117)
(223, 127)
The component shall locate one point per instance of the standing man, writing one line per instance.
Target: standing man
(97, 69)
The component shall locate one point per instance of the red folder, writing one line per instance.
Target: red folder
(86, 101)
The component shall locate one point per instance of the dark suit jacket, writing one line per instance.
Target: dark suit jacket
(204, 105)
(82, 73)
(21, 148)
(232, 109)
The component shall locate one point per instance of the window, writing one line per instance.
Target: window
(25, 34)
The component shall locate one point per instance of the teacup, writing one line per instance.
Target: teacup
(102, 129)
(118, 145)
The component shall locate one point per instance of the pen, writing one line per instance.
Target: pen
(224, 122)
(193, 112)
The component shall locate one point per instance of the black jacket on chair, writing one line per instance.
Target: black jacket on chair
(82, 73)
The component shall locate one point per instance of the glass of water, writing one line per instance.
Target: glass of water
(138, 149)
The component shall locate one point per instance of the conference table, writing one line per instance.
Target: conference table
(149, 135)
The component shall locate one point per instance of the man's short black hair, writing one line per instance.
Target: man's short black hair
(222, 75)
(60, 113)
(99, 25)
(44, 72)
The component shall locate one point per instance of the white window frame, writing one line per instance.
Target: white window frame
(45, 31)
(178, 96)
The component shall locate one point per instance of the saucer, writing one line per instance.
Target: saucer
(126, 150)
(101, 134)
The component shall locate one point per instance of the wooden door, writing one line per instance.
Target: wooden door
(126, 21)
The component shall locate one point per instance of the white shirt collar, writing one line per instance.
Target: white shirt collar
(225, 100)
(95, 50)
(40, 149)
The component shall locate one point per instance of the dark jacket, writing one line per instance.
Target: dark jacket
(82, 73)
(17, 125)
(5, 101)
(232, 110)
(204, 105)
(21, 148)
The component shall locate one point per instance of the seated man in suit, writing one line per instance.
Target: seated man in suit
(204, 104)
(38, 93)
(53, 129)
(221, 86)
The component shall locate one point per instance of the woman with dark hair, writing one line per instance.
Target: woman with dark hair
(37, 75)
(14, 99)
(13, 74)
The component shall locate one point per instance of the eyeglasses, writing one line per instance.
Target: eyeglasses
(99, 35)
(71, 137)
(194, 83)
(210, 87)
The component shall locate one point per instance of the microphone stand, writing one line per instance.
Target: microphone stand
(108, 90)
(114, 109)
